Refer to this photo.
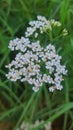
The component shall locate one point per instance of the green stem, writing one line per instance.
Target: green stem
(57, 37)
(50, 36)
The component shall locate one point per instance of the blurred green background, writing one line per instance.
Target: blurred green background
(18, 102)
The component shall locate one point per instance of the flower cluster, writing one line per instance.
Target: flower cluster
(40, 25)
(33, 63)
(26, 125)
(36, 25)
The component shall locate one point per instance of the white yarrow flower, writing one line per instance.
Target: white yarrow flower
(33, 63)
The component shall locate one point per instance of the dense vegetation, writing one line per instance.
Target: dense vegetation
(17, 101)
